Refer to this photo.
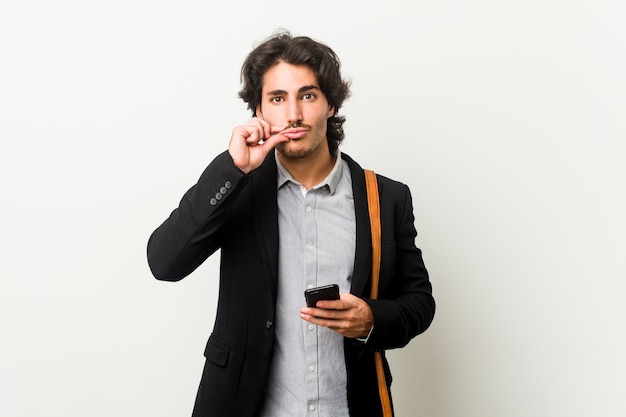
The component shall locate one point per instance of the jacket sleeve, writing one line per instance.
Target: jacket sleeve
(192, 231)
(405, 306)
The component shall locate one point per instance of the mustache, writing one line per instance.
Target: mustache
(292, 125)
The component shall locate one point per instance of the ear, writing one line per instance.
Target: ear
(258, 112)
(331, 111)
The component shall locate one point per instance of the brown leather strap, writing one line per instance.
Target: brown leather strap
(374, 212)
(374, 209)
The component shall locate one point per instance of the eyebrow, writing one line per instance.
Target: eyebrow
(301, 90)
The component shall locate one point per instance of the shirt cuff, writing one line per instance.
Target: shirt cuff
(365, 339)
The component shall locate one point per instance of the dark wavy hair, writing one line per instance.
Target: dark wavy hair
(301, 50)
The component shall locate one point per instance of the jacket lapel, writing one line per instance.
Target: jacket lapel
(264, 181)
(363, 255)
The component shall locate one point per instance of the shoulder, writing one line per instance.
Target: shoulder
(384, 182)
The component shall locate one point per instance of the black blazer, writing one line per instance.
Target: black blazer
(237, 214)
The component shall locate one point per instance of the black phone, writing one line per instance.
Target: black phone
(325, 292)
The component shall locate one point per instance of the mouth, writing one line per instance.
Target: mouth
(294, 132)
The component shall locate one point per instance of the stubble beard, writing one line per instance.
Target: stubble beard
(299, 153)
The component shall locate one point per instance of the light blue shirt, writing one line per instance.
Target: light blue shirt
(317, 234)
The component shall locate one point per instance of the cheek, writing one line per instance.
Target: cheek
(322, 126)
(270, 115)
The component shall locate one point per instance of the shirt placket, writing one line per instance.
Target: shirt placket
(310, 276)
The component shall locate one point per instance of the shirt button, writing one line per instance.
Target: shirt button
(312, 407)
(308, 209)
(309, 286)
(311, 327)
(311, 368)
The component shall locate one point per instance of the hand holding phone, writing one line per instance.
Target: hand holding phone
(325, 292)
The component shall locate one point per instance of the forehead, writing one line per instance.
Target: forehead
(287, 77)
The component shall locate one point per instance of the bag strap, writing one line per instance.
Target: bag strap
(374, 210)
(373, 205)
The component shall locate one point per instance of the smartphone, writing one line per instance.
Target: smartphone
(325, 292)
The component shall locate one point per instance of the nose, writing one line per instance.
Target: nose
(295, 114)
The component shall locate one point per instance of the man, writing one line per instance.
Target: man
(288, 211)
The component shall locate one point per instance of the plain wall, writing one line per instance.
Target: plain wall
(506, 119)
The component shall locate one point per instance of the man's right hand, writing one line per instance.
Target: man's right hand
(251, 142)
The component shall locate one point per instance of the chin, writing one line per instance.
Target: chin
(293, 152)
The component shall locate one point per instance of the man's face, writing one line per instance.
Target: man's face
(291, 99)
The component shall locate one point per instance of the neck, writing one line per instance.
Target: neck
(309, 171)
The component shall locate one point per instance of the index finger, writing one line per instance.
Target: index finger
(277, 129)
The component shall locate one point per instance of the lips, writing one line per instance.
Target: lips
(294, 133)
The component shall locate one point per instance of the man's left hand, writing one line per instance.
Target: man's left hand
(349, 316)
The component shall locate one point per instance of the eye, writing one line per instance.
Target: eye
(308, 96)
(276, 99)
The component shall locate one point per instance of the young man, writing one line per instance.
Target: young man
(288, 212)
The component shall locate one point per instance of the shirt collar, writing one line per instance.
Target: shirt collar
(332, 180)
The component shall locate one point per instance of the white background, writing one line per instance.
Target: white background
(506, 118)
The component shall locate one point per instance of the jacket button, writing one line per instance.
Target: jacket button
(213, 201)
(269, 324)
